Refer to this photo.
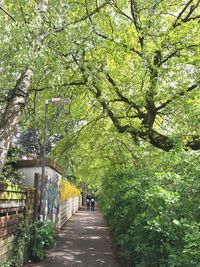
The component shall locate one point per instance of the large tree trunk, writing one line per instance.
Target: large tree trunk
(18, 96)
(11, 115)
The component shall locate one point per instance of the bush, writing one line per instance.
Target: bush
(42, 238)
(68, 190)
(154, 213)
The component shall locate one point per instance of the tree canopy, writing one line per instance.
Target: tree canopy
(130, 67)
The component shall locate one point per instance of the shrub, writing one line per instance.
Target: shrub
(154, 213)
(68, 190)
(42, 238)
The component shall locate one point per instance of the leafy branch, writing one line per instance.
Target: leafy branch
(188, 10)
(183, 93)
(8, 14)
(87, 16)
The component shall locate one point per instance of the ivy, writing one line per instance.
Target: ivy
(11, 175)
(22, 238)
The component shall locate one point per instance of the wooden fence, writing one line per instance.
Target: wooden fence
(15, 200)
(18, 200)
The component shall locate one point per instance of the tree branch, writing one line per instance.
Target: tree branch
(87, 16)
(122, 12)
(188, 15)
(192, 87)
(176, 53)
(8, 14)
(110, 113)
(147, 134)
(136, 19)
(73, 83)
(123, 98)
(111, 39)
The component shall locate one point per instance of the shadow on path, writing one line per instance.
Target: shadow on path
(84, 241)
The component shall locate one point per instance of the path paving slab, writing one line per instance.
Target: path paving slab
(84, 241)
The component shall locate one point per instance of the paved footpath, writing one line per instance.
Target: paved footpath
(83, 242)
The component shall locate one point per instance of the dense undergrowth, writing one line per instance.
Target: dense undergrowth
(154, 211)
(36, 238)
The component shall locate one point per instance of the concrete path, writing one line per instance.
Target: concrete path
(83, 242)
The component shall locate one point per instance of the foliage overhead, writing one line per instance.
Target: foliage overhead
(124, 59)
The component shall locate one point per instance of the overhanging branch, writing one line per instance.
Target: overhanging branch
(191, 8)
(87, 16)
(191, 88)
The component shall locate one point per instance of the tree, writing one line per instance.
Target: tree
(27, 33)
(14, 100)
(141, 64)
(13, 109)
(124, 59)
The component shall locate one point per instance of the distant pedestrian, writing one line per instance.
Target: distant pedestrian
(88, 202)
(92, 200)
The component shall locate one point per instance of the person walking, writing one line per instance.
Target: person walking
(92, 200)
(88, 202)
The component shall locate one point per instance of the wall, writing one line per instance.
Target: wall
(31, 166)
(67, 209)
(51, 182)
(15, 201)
(30, 172)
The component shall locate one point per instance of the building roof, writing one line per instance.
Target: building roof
(27, 163)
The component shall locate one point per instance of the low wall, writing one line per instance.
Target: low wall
(14, 201)
(68, 208)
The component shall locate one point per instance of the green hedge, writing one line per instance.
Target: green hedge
(154, 212)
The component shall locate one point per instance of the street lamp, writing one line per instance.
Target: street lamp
(57, 102)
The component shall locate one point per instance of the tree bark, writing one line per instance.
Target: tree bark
(10, 117)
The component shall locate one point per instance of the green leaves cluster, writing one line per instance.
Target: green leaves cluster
(154, 211)
(38, 237)
(11, 175)
(42, 238)
(125, 60)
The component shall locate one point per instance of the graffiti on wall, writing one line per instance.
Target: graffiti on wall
(53, 198)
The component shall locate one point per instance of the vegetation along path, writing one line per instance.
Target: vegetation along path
(84, 241)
